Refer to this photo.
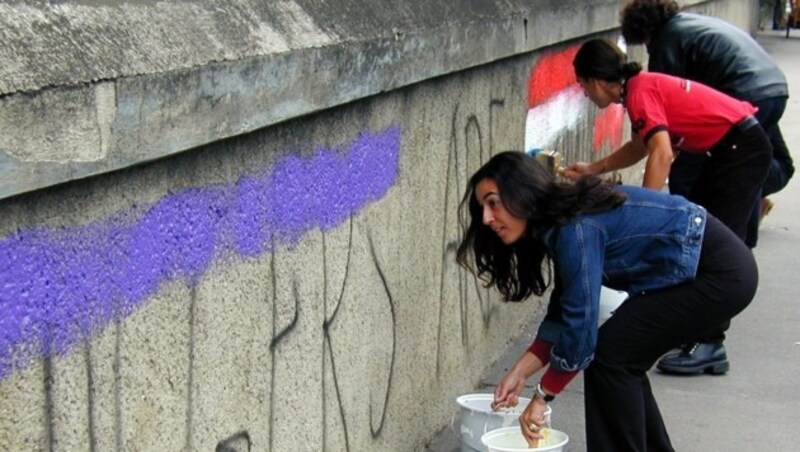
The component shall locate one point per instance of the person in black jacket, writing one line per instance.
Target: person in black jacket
(720, 55)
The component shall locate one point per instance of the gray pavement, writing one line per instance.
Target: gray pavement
(756, 406)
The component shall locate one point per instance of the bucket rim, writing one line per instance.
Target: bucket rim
(505, 430)
(463, 401)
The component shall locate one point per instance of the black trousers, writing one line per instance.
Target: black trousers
(731, 180)
(621, 412)
(729, 185)
(687, 167)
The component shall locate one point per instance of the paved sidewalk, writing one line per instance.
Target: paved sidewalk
(756, 406)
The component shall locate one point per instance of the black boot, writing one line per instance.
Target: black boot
(696, 358)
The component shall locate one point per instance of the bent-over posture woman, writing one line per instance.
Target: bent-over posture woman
(684, 270)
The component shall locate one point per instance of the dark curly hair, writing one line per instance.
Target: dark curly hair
(641, 19)
(529, 191)
(601, 59)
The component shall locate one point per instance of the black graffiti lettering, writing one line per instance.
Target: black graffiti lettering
(239, 442)
(377, 431)
(464, 156)
(326, 342)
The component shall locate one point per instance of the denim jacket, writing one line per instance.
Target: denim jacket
(649, 242)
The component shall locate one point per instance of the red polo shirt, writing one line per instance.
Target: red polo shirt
(695, 115)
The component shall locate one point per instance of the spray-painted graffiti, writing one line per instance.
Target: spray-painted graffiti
(239, 442)
(93, 277)
(284, 337)
(557, 105)
(60, 286)
(608, 128)
(467, 146)
(331, 374)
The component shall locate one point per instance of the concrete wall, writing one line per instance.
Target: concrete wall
(262, 262)
(101, 85)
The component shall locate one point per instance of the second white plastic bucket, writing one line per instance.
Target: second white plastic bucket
(610, 300)
(476, 417)
(510, 439)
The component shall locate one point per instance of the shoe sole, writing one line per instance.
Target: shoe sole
(718, 368)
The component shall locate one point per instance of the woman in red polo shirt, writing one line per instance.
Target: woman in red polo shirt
(669, 113)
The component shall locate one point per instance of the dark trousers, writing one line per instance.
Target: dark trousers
(687, 167)
(621, 412)
(781, 170)
(731, 179)
(729, 186)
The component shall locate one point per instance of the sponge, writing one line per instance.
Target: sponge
(551, 160)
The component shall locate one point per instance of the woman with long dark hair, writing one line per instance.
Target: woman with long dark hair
(684, 270)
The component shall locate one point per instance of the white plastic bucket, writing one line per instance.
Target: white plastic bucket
(510, 439)
(610, 300)
(476, 417)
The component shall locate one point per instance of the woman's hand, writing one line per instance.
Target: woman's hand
(578, 170)
(509, 389)
(628, 154)
(533, 421)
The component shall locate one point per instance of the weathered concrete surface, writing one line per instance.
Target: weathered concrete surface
(293, 286)
(91, 87)
(68, 43)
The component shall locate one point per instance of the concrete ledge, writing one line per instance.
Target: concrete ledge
(92, 88)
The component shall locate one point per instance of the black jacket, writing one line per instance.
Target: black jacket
(718, 54)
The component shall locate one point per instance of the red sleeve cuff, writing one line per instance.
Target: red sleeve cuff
(555, 381)
(541, 349)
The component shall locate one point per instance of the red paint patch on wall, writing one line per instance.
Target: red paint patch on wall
(552, 73)
(608, 127)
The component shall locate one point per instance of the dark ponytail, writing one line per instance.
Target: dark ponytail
(631, 69)
(603, 60)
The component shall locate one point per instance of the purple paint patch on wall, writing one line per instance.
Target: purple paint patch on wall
(60, 286)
